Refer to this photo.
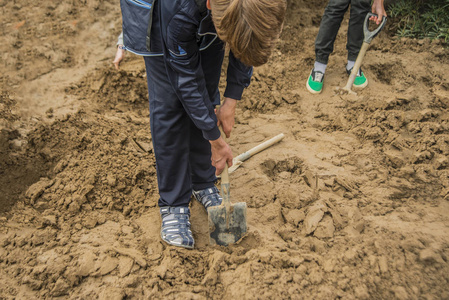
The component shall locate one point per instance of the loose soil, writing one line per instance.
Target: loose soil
(352, 204)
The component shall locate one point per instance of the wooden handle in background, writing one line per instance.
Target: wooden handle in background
(244, 156)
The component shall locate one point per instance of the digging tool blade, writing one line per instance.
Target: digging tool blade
(227, 222)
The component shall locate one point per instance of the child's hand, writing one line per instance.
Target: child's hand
(119, 55)
(379, 10)
(221, 155)
(225, 115)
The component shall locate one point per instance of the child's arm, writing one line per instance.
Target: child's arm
(226, 115)
(182, 58)
(379, 10)
(238, 78)
(120, 53)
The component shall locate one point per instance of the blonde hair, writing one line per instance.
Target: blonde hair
(249, 27)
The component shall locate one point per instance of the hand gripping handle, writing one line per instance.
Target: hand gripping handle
(369, 35)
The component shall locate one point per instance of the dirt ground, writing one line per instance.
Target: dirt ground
(352, 204)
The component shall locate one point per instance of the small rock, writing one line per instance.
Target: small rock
(127, 210)
(125, 266)
(80, 199)
(395, 157)
(310, 178)
(430, 256)
(442, 162)
(108, 265)
(293, 216)
(309, 257)
(74, 207)
(111, 179)
(383, 264)
(285, 175)
(343, 284)
(296, 261)
(101, 219)
(127, 229)
(112, 293)
(149, 203)
(138, 195)
(50, 220)
(90, 222)
(161, 271)
(15, 144)
(60, 166)
(147, 147)
(354, 214)
(325, 228)
(359, 226)
(61, 288)
(329, 265)
(361, 292)
(86, 264)
(246, 114)
(134, 254)
(400, 293)
(315, 277)
(291, 98)
(33, 283)
(37, 189)
(313, 217)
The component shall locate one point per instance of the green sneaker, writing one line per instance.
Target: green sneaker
(315, 82)
(360, 80)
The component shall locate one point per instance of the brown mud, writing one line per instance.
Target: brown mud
(352, 204)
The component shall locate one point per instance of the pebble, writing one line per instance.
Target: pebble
(361, 292)
(312, 219)
(400, 293)
(325, 228)
(329, 265)
(86, 264)
(383, 265)
(112, 181)
(429, 256)
(110, 293)
(315, 277)
(125, 266)
(61, 288)
(108, 265)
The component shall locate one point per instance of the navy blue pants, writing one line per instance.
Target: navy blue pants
(183, 156)
(330, 23)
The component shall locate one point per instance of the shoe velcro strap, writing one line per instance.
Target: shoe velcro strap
(208, 197)
(173, 239)
(176, 230)
(206, 192)
(176, 222)
(174, 210)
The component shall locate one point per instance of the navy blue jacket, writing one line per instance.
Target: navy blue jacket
(192, 52)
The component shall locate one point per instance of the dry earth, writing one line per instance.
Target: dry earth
(352, 204)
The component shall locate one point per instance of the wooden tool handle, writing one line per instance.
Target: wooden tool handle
(244, 156)
(356, 67)
(225, 184)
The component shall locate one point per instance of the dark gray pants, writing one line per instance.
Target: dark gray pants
(330, 23)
